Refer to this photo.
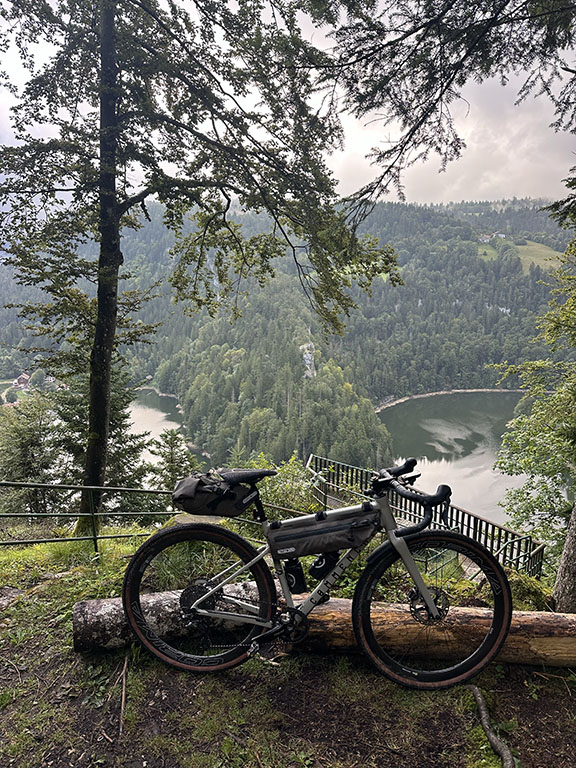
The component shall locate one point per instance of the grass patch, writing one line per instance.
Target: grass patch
(536, 253)
(7, 697)
(531, 253)
(487, 252)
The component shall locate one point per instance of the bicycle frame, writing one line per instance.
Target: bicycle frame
(322, 590)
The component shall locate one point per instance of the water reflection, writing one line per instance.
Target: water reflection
(455, 439)
(153, 413)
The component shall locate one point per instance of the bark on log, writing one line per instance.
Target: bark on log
(535, 637)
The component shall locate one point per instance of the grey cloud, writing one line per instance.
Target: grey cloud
(511, 151)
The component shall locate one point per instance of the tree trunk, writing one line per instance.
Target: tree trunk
(110, 260)
(565, 586)
(535, 638)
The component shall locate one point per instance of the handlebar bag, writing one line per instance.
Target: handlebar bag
(309, 536)
(210, 494)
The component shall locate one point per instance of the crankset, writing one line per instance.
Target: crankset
(290, 625)
(297, 626)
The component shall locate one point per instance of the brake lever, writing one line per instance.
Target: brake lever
(411, 478)
(444, 512)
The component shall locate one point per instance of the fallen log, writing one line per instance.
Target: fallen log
(535, 637)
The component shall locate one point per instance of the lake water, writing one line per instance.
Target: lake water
(154, 413)
(455, 438)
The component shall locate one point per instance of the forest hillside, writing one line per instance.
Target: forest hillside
(474, 283)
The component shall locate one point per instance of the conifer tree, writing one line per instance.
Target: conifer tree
(200, 105)
(174, 460)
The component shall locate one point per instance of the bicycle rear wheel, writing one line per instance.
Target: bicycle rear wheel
(176, 568)
(395, 630)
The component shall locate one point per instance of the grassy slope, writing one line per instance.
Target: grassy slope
(539, 254)
(532, 253)
(58, 708)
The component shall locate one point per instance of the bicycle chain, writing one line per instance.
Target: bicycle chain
(289, 631)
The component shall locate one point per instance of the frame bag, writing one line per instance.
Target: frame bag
(210, 494)
(315, 534)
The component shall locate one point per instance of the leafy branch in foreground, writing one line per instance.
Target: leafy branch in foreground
(406, 63)
(541, 443)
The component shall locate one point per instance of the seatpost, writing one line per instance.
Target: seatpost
(259, 513)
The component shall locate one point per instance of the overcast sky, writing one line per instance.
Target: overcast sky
(511, 152)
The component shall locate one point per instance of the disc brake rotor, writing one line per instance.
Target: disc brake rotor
(419, 609)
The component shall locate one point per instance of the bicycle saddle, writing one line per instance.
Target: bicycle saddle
(251, 476)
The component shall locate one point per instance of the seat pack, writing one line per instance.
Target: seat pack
(209, 494)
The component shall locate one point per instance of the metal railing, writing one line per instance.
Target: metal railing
(111, 514)
(334, 480)
(93, 515)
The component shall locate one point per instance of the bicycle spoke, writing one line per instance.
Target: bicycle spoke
(198, 592)
(400, 634)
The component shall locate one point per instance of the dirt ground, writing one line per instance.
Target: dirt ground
(60, 709)
(307, 711)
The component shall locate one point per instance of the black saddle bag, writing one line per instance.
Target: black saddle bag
(210, 494)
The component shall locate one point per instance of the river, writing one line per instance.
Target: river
(455, 438)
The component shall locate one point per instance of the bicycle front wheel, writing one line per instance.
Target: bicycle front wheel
(397, 633)
(191, 601)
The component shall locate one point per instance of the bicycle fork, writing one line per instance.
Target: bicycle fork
(399, 544)
(402, 548)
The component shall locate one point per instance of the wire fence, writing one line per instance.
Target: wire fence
(52, 497)
(143, 505)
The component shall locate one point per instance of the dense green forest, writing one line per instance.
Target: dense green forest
(271, 381)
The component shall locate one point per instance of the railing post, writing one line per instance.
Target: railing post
(540, 562)
(93, 521)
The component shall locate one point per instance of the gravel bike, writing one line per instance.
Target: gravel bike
(431, 608)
